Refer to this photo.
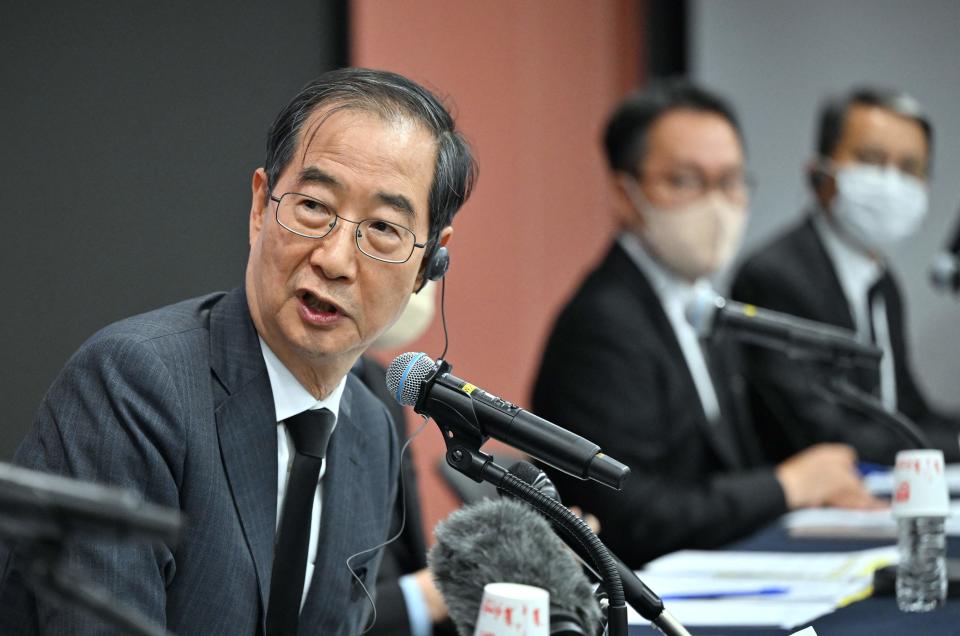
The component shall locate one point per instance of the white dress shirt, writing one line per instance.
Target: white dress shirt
(674, 294)
(290, 398)
(858, 272)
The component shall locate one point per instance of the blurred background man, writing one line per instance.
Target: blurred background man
(624, 368)
(869, 186)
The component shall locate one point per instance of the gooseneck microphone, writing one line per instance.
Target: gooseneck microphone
(415, 380)
(502, 540)
(707, 312)
(945, 268)
(637, 594)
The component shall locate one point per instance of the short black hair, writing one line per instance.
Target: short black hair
(390, 96)
(834, 111)
(625, 138)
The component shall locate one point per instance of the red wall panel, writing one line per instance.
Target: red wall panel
(531, 83)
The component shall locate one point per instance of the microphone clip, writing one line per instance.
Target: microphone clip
(462, 433)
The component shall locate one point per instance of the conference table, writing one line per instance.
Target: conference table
(873, 616)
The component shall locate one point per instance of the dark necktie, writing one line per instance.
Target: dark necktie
(310, 431)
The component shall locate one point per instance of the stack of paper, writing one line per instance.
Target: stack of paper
(880, 482)
(762, 589)
(854, 524)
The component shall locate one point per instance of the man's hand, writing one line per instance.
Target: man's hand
(592, 522)
(824, 475)
(435, 603)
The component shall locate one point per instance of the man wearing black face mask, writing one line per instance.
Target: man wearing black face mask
(625, 369)
(869, 183)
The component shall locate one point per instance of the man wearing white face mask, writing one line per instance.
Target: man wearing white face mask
(869, 183)
(623, 367)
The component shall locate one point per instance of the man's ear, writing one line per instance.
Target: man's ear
(627, 209)
(822, 183)
(445, 235)
(259, 199)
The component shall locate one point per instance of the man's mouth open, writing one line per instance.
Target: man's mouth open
(317, 311)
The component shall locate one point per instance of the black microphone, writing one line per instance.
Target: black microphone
(415, 380)
(504, 541)
(636, 593)
(36, 506)
(707, 312)
(945, 268)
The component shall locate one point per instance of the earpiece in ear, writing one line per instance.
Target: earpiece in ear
(438, 265)
(819, 173)
(817, 177)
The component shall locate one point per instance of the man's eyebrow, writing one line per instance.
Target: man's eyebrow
(397, 202)
(316, 175)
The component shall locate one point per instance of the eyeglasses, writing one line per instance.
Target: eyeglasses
(688, 185)
(381, 240)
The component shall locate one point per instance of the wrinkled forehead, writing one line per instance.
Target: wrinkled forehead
(318, 123)
(391, 156)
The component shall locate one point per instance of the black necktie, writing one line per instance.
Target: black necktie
(310, 431)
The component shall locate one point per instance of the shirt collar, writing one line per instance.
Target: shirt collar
(289, 396)
(856, 270)
(673, 291)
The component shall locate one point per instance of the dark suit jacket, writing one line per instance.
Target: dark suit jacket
(176, 404)
(613, 371)
(794, 274)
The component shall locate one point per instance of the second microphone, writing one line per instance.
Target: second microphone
(416, 380)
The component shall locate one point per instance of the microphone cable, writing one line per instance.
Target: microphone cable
(443, 317)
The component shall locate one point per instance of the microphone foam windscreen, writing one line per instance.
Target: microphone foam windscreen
(501, 540)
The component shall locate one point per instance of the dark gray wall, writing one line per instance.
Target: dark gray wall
(776, 59)
(130, 130)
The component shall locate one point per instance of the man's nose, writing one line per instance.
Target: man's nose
(336, 254)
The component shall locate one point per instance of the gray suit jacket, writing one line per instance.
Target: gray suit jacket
(176, 404)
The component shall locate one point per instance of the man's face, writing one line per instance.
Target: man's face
(879, 137)
(318, 303)
(876, 136)
(687, 153)
(693, 206)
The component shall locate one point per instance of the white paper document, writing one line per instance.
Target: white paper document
(762, 589)
(740, 613)
(880, 482)
(854, 524)
(781, 566)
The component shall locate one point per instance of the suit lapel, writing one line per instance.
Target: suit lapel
(719, 437)
(829, 298)
(831, 305)
(246, 428)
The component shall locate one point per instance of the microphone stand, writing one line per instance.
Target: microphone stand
(40, 513)
(481, 467)
(49, 576)
(842, 391)
(868, 356)
(464, 439)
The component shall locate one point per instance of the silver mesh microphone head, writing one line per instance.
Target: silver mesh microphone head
(406, 374)
(945, 272)
(701, 310)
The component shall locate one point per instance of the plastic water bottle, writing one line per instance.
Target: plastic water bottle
(921, 502)
(922, 572)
